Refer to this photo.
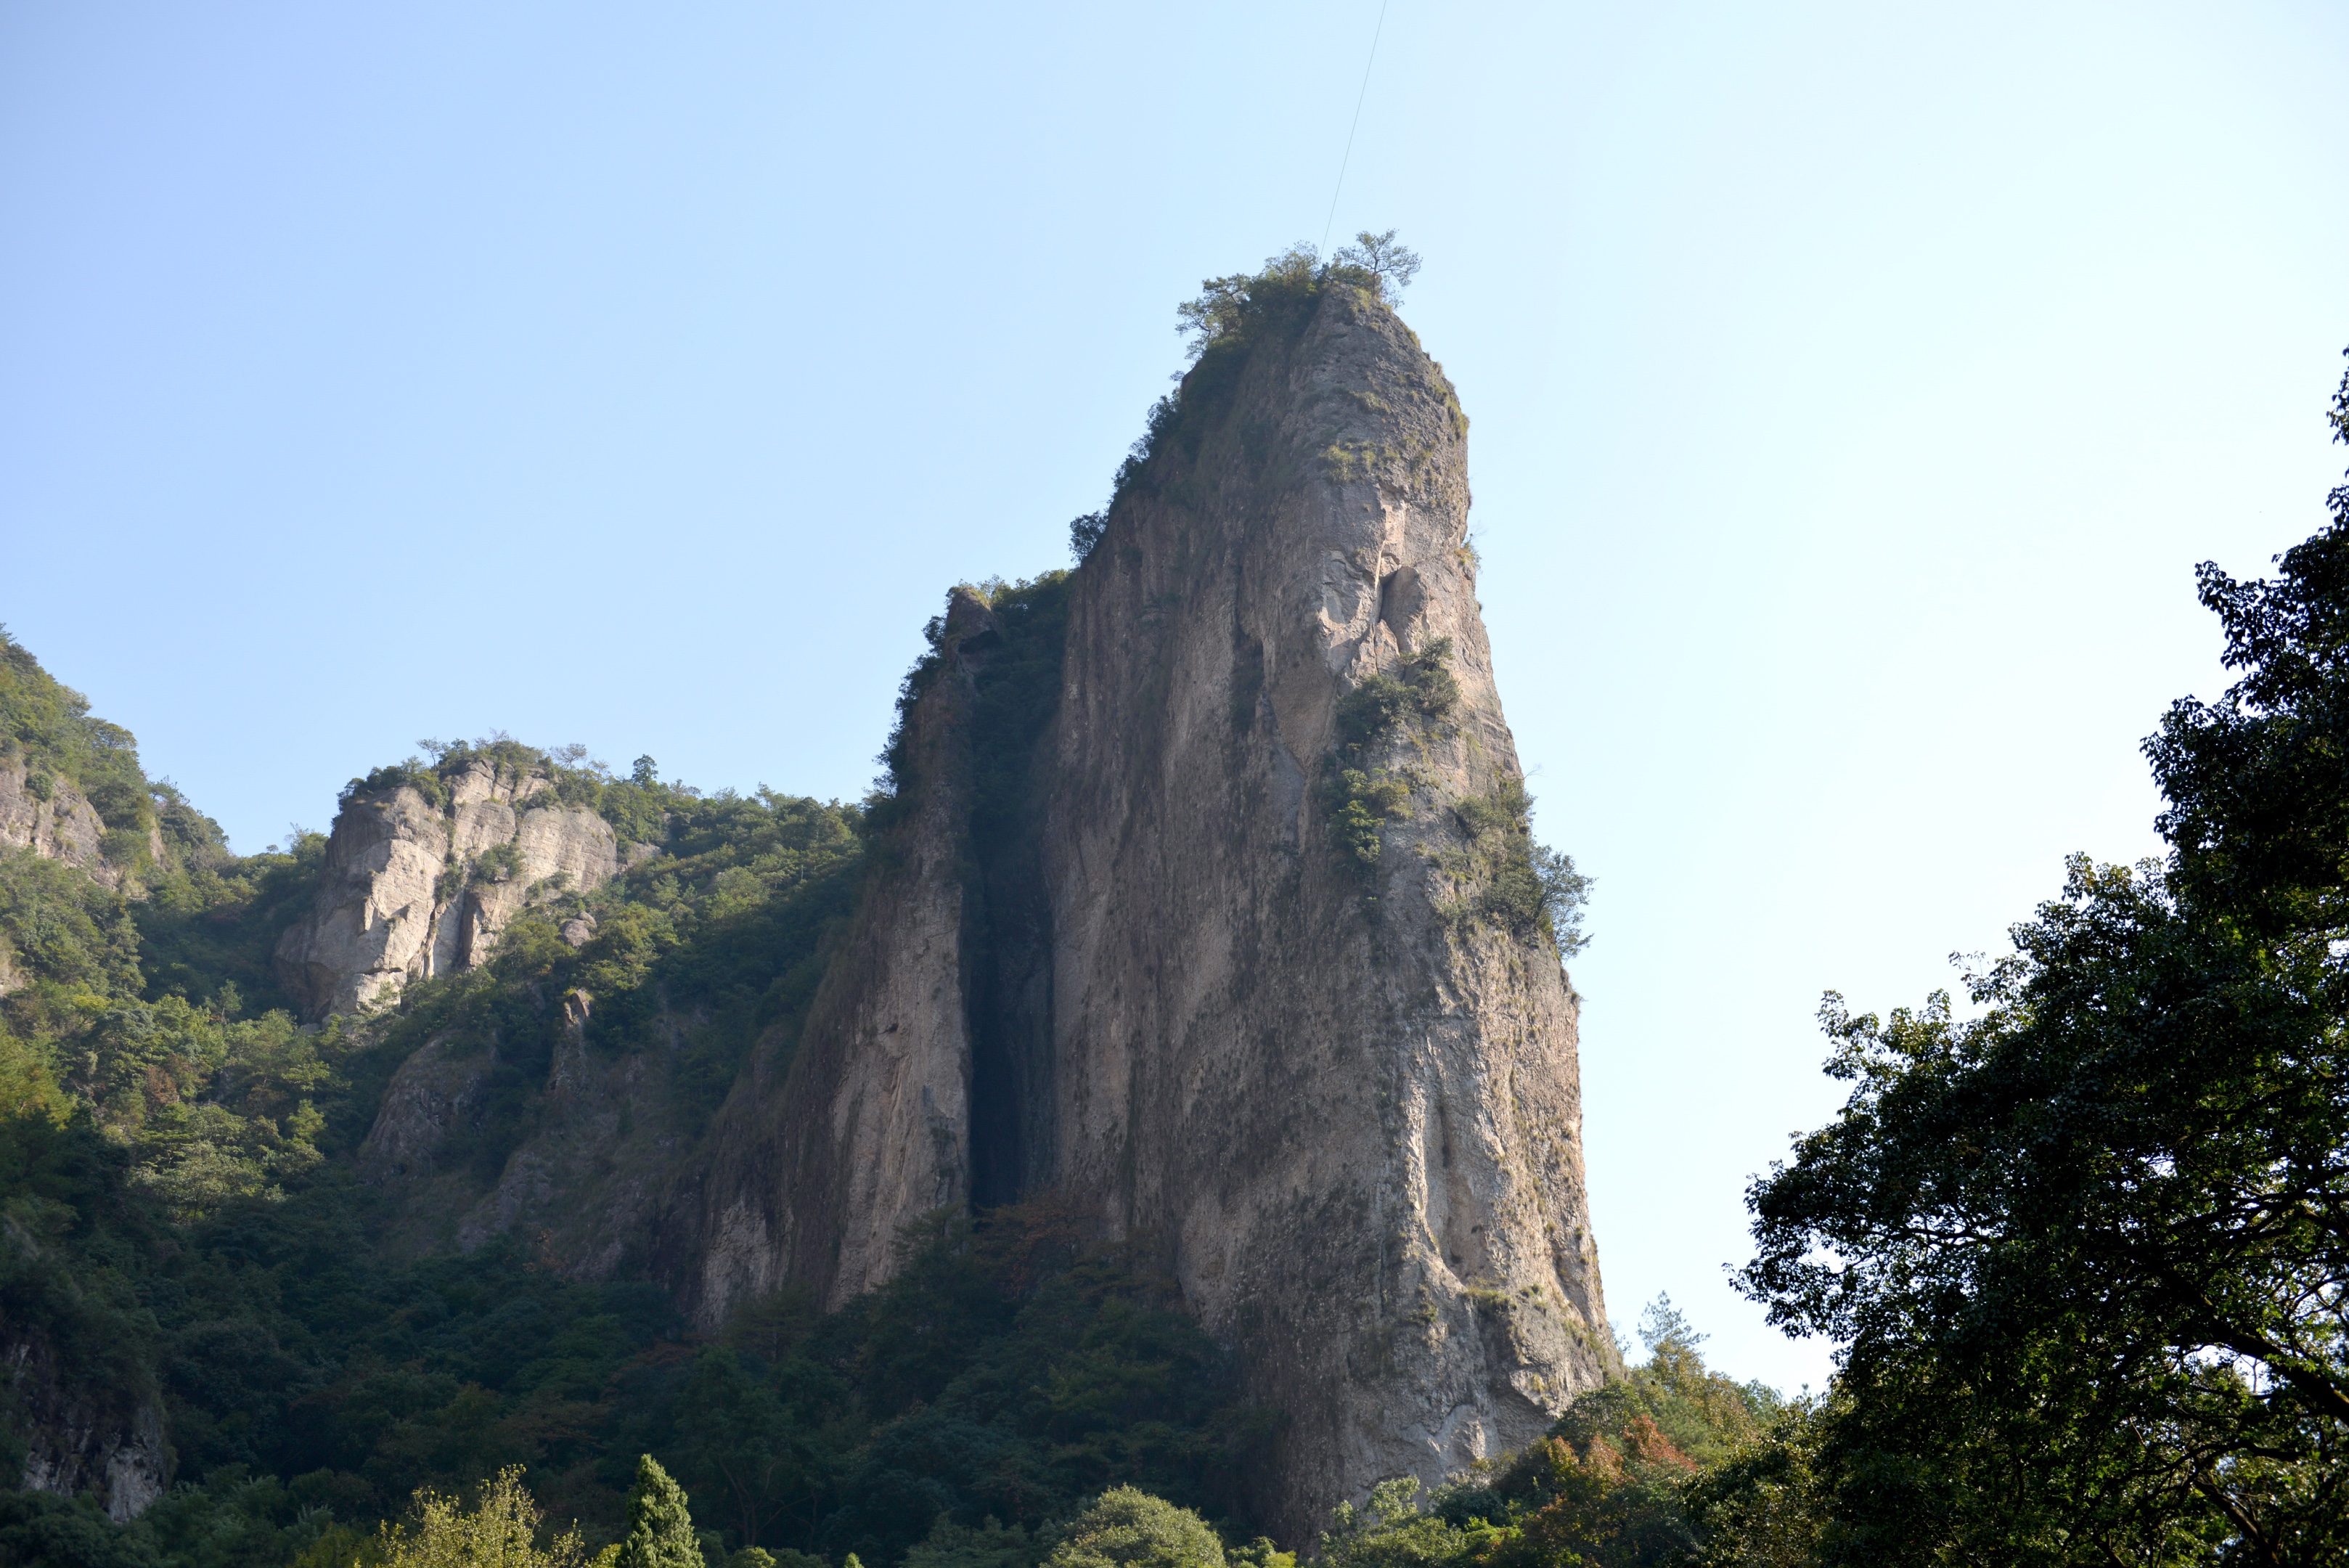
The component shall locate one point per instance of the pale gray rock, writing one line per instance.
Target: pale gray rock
(816, 1169)
(65, 826)
(1352, 1108)
(379, 906)
(409, 890)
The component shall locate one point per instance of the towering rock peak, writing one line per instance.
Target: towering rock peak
(1308, 1022)
(1215, 914)
(424, 870)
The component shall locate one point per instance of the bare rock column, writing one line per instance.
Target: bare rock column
(1305, 1032)
(1344, 1092)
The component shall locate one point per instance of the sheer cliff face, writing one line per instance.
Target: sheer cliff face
(1351, 1108)
(820, 1155)
(1342, 1098)
(104, 1442)
(389, 910)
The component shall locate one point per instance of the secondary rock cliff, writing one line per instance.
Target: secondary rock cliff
(81, 1434)
(53, 819)
(416, 886)
(1242, 952)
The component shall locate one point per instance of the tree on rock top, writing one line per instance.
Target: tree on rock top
(660, 1530)
(1128, 1527)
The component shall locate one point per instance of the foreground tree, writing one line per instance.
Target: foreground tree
(660, 1530)
(2090, 1248)
(500, 1531)
(1128, 1527)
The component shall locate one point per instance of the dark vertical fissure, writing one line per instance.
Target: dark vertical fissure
(1007, 947)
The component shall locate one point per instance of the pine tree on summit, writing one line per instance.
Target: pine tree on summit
(660, 1530)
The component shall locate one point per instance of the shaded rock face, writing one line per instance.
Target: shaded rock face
(818, 1163)
(80, 1435)
(411, 890)
(434, 1092)
(1343, 1099)
(78, 1439)
(585, 1189)
(64, 826)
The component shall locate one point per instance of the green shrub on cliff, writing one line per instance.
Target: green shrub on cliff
(1523, 885)
(46, 726)
(207, 1100)
(1357, 795)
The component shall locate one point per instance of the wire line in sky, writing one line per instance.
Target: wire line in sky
(1357, 124)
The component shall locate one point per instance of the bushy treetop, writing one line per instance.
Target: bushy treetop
(660, 1528)
(1128, 1527)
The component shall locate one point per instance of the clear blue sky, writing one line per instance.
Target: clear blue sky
(1853, 389)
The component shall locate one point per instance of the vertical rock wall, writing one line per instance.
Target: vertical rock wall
(821, 1154)
(1347, 1100)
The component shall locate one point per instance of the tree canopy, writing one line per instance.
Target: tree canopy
(2088, 1244)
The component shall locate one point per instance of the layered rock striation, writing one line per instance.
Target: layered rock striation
(1341, 1080)
(1236, 953)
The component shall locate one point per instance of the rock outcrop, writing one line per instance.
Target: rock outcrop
(413, 888)
(1347, 1095)
(584, 1189)
(79, 1445)
(80, 1434)
(50, 817)
(1230, 995)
